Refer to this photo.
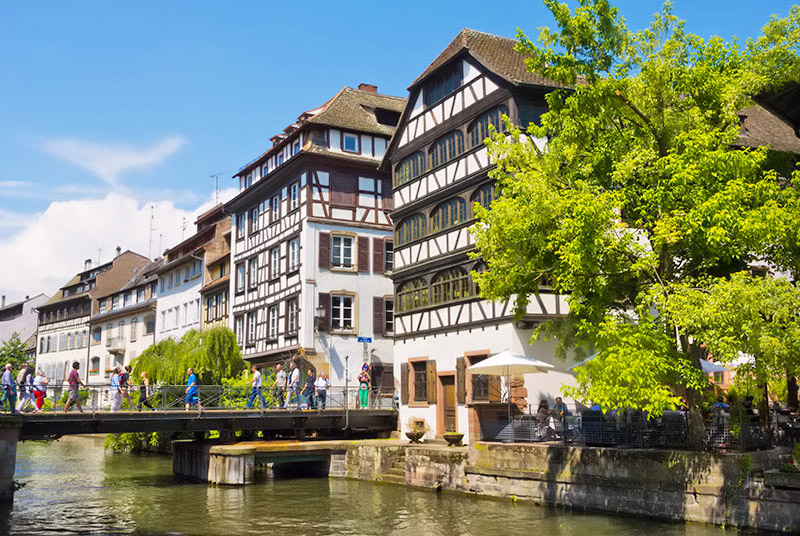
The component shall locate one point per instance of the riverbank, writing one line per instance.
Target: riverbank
(725, 489)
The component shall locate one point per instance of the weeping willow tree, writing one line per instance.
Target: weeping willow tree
(213, 354)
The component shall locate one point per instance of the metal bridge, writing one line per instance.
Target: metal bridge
(223, 409)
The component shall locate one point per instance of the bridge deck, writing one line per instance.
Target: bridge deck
(46, 425)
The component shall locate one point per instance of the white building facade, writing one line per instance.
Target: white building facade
(440, 168)
(311, 242)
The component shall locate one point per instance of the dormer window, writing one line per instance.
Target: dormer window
(444, 84)
(350, 142)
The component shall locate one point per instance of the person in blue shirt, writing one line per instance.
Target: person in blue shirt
(191, 391)
(720, 403)
(9, 389)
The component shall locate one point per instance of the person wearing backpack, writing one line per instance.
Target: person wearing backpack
(21, 375)
(27, 390)
(125, 385)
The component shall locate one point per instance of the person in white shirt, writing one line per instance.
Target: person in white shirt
(321, 389)
(294, 385)
(40, 390)
(256, 383)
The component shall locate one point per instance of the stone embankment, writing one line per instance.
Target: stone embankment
(727, 489)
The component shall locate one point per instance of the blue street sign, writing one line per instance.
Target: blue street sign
(365, 339)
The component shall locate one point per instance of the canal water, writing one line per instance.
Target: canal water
(74, 487)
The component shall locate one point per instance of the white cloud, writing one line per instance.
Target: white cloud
(109, 161)
(43, 251)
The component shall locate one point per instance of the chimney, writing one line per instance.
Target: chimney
(119, 251)
(27, 297)
(3, 302)
(369, 88)
(87, 264)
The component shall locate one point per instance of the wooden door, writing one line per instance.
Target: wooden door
(449, 403)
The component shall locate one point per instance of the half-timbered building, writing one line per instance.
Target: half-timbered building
(440, 166)
(312, 241)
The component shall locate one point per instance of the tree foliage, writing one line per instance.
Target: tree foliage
(13, 351)
(213, 354)
(641, 193)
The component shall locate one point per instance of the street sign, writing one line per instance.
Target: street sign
(365, 339)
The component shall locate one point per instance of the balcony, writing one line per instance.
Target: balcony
(115, 345)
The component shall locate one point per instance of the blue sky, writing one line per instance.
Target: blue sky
(146, 100)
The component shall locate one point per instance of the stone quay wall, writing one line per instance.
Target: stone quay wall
(716, 488)
(9, 434)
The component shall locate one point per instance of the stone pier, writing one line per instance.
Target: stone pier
(231, 465)
(9, 435)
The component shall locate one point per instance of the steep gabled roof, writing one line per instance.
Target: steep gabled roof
(495, 53)
(354, 109)
(761, 127)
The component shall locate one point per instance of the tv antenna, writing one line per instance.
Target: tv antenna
(152, 228)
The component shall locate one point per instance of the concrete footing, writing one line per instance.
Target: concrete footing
(9, 435)
(231, 465)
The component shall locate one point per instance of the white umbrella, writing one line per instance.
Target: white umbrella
(507, 363)
(708, 367)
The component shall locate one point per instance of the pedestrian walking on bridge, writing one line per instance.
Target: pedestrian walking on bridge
(192, 397)
(9, 390)
(144, 393)
(280, 385)
(75, 382)
(256, 383)
(116, 395)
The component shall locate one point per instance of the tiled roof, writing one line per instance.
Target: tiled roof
(353, 109)
(761, 127)
(59, 295)
(495, 53)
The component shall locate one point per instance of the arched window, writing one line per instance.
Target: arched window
(450, 285)
(444, 84)
(449, 213)
(410, 229)
(447, 147)
(480, 128)
(411, 167)
(412, 295)
(485, 195)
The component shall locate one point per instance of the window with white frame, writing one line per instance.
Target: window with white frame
(251, 328)
(291, 315)
(115, 302)
(294, 196)
(276, 208)
(273, 322)
(134, 327)
(240, 277)
(128, 298)
(241, 220)
(388, 256)
(350, 142)
(140, 295)
(341, 312)
(252, 269)
(274, 262)
(388, 315)
(342, 251)
(254, 220)
(294, 253)
(238, 329)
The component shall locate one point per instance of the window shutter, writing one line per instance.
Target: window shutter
(378, 325)
(494, 389)
(325, 250)
(325, 303)
(461, 386)
(286, 316)
(377, 256)
(404, 383)
(363, 254)
(430, 370)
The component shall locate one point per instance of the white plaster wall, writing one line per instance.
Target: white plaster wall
(446, 348)
(169, 298)
(26, 323)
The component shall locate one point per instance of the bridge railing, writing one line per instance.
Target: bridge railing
(104, 398)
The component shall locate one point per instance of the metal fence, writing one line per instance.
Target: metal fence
(104, 398)
(633, 429)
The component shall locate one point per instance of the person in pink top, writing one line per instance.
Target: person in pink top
(74, 381)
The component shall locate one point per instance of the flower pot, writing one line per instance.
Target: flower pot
(415, 436)
(453, 439)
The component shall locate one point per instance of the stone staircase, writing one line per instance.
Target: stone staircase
(396, 473)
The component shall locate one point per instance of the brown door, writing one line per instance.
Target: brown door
(449, 403)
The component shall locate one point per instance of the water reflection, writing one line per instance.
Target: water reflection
(73, 487)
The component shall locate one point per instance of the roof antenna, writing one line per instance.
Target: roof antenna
(152, 228)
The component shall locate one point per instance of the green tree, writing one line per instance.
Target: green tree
(213, 354)
(13, 351)
(643, 188)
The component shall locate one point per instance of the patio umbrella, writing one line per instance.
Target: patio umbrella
(507, 363)
(708, 366)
